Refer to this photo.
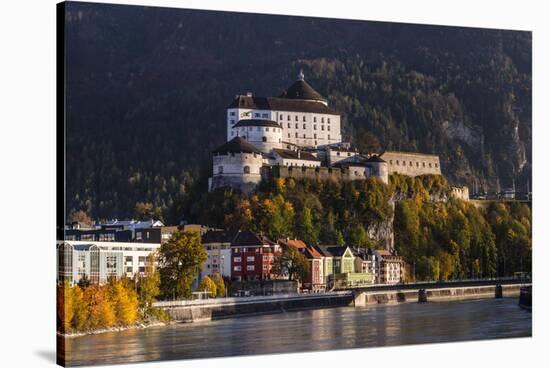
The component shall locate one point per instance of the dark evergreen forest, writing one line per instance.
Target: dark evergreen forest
(147, 88)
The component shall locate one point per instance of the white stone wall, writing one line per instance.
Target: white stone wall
(334, 156)
(379, 170)
(301, 128)
(263, 138)
(300, 163)
(411, 164)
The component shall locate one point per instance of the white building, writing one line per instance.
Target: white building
(263, 134)
(100, 260)
(301, 112)
(217, 245)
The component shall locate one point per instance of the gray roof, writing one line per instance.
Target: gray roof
(281, 104)
(295, 155)
(257, 123)
(236, 145)
(301, 90)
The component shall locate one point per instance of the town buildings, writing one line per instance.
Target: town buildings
(390, 267)
(252, 256)
(217, 244)
(315, 280)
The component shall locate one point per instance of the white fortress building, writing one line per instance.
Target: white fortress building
(298, 135)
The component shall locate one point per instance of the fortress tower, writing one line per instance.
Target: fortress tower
(263, 134)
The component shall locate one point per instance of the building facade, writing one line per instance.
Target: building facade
(390, 267)
(252, 256)
(217, 244)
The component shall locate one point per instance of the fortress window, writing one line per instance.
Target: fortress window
(296, 125)
(264, 139)
(264, 116)
(397, 162)
(328, 120)
(328, 128)
(322, 120)
(256, 115)
(232, 122)
(288, 117)
(322, 127)
(436, 165)
(430, 164)
(296, 118)
(304, 135)
(304, 126)
(315, 142)
(315, 127)
(349, 154)
(423, 164)
(391, 162)
(281, 117)
(410, 163)
(417, 164)
(315, 119)
(337, 153)
(220, 169)
(232, 113)
(258, 129)
(267, 129)
(304, 118)
(315, 135)
(247, 169)
(329, 137)
(288, 125)
(296, 135)
(279, 140)
(288, 135)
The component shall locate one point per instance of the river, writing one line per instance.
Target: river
(310, 330)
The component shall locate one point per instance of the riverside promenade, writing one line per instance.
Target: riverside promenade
(212, 309)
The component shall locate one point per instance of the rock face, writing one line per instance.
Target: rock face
(382, 232)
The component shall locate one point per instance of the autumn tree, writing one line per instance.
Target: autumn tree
(220, 285)
(101, 313)
(179, 261)
(148, 286)
(80, 217)
(65, 307)
(292, 264)
(147, 211)
(209, 286)
(124, 301)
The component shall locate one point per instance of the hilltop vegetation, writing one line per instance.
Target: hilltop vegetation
(147, 87)
(439, 236)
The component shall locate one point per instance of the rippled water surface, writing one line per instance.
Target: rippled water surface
(321, 329)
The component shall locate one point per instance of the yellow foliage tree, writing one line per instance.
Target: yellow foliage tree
(124, 301)
(220, 285)
(208, 285)
(65, 309)
(80, 315)
(100, 308)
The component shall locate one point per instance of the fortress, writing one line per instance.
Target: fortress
(298, 135)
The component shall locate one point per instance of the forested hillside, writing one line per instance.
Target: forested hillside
(147, 88)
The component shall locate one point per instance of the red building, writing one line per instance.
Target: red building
(315, 280)
(252, 256)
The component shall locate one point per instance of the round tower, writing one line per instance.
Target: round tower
(262, 134)
(378, 168)
(236, 164)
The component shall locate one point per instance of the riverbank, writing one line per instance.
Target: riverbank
(188, 311)
(139, 326)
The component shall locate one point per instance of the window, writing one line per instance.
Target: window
(267, 129)
(391, 162)
(266, 258)
(138, 235)
(288, 117)
(264, 139)
(304, 135)
(250, 258)
(328, 128)
(397, 162)
(129, 259)
(322, 127)
(232, 122)
(315, 119)
(288, 135)
(264, 116)
(296, 125)
(337, 153)
(322, 120)
(250, 268)
(315, 135)
(237, 268)
(281, 117)
(436, 165)
(256, 115)
(247, 169)
(288, 125)
(430, 164)
(304, 126)
(236, 250)
(296, 118)
(304, 118)
(410, 163)
(265, 267)
(296, 135)
(328, 120)
(314, 127)
(232, 113)
(417, 164)
(329, 137)
(237, 259)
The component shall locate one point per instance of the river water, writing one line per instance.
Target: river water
(321, 329)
